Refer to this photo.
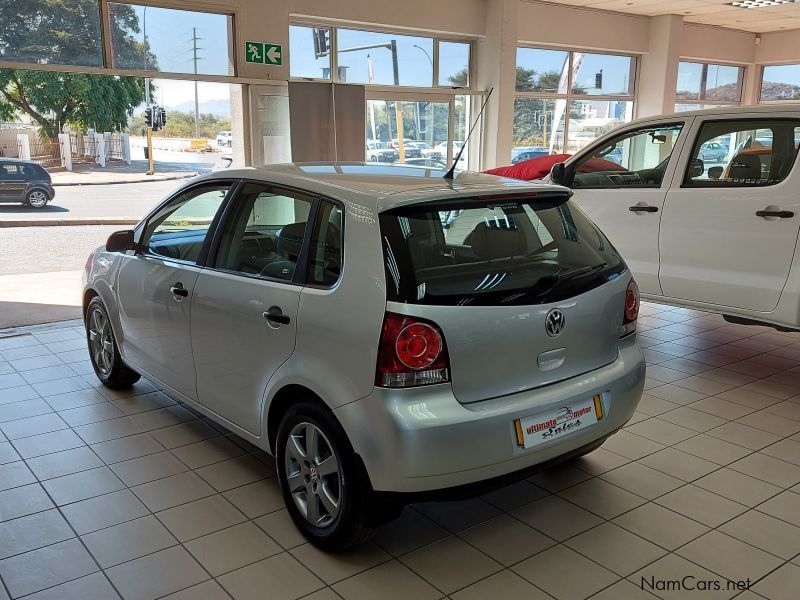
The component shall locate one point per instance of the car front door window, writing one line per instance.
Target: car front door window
(634, 159)
(180, 229)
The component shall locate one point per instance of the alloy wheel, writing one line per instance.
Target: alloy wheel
(101, 341)
(37, 199)
(312, 474)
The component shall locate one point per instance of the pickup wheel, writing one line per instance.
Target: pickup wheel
(103, 350)
(323, 484)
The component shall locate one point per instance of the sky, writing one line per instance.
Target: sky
(170, 92)
(169, 33)
(616, 69)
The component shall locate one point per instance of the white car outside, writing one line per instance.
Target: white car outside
(720, 236)
(224, 138)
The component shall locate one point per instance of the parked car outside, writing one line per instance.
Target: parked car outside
(25, 182)
(380, 152)
(410, 148)
(425, 162)
(719, 238)
(529, 154)
(429, 151)
(381, 358)
(224, 139)
(713, 152)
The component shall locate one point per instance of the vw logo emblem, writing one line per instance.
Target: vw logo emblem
(554, 323)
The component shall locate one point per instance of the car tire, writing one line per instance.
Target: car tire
(103, 349)
(338, 516)
(37, 198)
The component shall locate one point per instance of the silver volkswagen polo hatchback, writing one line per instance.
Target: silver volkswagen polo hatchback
(388, 335)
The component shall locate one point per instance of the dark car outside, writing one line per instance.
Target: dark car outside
(25, 182)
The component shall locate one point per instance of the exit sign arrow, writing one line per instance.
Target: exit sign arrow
(273, 54)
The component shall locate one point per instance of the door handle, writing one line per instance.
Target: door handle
(650, 209)
(781, 214)
(275, 315)
(179, 290)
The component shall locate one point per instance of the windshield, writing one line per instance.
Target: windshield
(525, 250)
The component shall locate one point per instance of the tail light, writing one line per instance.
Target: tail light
(631, 309)
(411, 352)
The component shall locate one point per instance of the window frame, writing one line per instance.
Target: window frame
(570, 96)
(333, 53)
(629, 132)
(300, 277)
(687, 183)
(707, 103)
(142, 233)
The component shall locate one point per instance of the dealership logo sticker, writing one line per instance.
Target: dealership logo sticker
(555, 424)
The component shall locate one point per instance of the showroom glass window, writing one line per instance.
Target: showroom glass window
(566, 99)
(151, 38)
(703, 85)
(60, 33)
(780, 82)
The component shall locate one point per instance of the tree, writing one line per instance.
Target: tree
(67, 32)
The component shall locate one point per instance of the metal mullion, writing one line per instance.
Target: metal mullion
(435, 65)
(105, 35)
(568, 100)
(333, 54)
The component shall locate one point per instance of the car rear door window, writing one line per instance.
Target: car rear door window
(264, 234)
(180, 229)
(636, 158)
(753, 153)
(325, 257)
(9, 172)
(481, 252)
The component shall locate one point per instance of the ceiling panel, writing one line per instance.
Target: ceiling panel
(709, 12)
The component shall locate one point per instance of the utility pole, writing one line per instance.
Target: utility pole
(195, 39)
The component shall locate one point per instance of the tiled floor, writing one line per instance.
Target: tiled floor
(106, 494)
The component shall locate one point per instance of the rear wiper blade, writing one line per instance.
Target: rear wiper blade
(579, 271)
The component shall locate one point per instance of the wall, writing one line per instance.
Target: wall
(779, 47)
(715, 44)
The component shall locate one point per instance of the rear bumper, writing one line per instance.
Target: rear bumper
(423, 439)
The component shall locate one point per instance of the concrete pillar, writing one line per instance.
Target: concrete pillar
(66, 151)
(24, 146)
(126, 148)
(100, 149)
(658, 71)
(751, 85)
(497, 68)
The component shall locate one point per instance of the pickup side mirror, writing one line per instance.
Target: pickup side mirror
(715, 172)
(121, 241)
(557, 172)
(696, 168)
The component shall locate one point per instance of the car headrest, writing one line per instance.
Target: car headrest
(745, 166)
(290, 240)
(490, 243)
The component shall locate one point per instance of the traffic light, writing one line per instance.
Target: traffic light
(160, 118)
(598, 80)
(148, 116)
(322, 45)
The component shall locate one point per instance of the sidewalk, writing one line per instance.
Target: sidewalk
(39, 298)
(94, 174)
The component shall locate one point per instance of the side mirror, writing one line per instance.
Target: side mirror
(715, 172)
(696, 168)
(121, 241)
(557, 172)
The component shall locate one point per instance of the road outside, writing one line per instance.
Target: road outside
(95, 201)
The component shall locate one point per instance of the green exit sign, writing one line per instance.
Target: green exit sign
(263, 53)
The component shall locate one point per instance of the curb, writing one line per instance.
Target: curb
(68, 222)
(170, 178)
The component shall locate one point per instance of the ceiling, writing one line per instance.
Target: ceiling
(709, 12)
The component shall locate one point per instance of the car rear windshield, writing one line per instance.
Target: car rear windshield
(520, 250)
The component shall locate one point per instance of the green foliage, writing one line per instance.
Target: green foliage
(67, 32)
(181, 125)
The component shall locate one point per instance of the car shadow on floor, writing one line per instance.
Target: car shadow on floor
(24, 209)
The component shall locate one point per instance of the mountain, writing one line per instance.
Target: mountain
(218, 108)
